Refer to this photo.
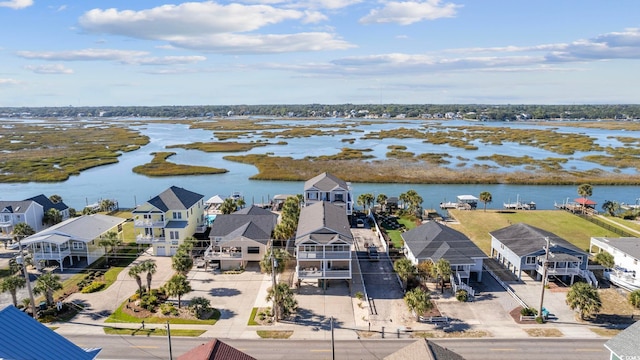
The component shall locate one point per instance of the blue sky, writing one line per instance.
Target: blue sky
(92, 53)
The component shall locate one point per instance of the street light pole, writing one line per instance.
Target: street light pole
(26, 277)
(545, 265)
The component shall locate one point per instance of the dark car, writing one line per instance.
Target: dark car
(373, 253)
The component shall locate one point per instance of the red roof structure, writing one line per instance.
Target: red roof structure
(215, 350)
(585, 202)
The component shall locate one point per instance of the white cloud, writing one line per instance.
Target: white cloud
(49, 69)
(9, 82)
(165, 60)
(209, 26)
(82, 55)
(16, 4)
(409, 12)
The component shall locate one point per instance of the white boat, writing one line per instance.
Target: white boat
(623, 278)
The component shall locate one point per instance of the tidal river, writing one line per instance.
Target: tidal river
(118, 182)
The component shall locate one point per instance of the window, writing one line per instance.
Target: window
(531, 260)
(253, 250)
(77, 245)
(339, 197)
(177, 215)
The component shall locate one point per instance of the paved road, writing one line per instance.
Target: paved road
(138, 347)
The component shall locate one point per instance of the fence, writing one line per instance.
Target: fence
(605, 225)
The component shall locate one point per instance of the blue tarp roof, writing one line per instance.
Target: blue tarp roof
(24, 338)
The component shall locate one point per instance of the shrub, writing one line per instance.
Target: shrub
(528, 311)
(93, 287)
(149, 302)
(168, 308)
(359, 295)
(462, 295)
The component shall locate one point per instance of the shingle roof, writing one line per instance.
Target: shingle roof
(255, 227)
(254, 210)
(323, 217)
(48, 204)
(423, 349)
(175, 198)
(325, 182)
(436, 241)
(524, 239)
(26, 338)
(215, 350)
(15, 206)
(625, 344)
(628, 245)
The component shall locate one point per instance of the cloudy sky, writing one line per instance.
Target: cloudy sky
(92, 53)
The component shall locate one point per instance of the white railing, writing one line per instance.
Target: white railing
(148, 239)
(324, 255)
(51, 255)
(149, 223)
(559, 271)
(324, 274)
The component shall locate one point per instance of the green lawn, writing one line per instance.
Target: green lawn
(396, 235)
(152, 332)
(119, 316)
(628, 223)
(477, 225)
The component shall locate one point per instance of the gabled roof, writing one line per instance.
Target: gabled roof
(585, 201)
(325, 182)
(215, 350)
(323, 218)
(15, 206)
(435, 241)
(424, 349)
(625, 344)
(216, 199)
(627, 245)
(175, 198)
(524, 239)
(84, 228)
(254, 210)
(48, 204)
(255, 227)
(26, 338)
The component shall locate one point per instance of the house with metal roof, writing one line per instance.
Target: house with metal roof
(38, 341)
(15, 212)
(433, 241)
(323, 243)
(625, 344)
(165, 221)
(626, 256)
(522, 247)
(328, 187)
(73, 238)
(241, 237)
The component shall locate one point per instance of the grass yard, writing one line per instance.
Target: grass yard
(274, 334)
(628, 223)
(477, 225)
(396, 235)
(120, 316)
(152, 332)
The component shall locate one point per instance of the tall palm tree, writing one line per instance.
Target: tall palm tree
(228, 206)
(240, 202)
(418, 301)
(47, 284)
(12, 284)
(134, 272)
(178, 285)
(107, 205)
(181, 261)
(281, 256)
(585, 299)
(365, 200)
(282, 297)
(412, 200)
(109, 240)
(52, 216)
(611, 207)
(585, 191)
(405, 270)
(441, 270)
(150, 267)
(22, 230)
(381, 199)
(485, 197)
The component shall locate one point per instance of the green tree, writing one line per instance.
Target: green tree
(178, 285)
(22, 230)
(134, 272)
(405, 270)
(365, 200)
(228, 206)
(605, 259)
(240, 202)
(289, 217)
(486, 197)
(199, 305)
(11, 284)
(634, 298)
(611, 207)
(56, 199)
(109, 240)
(441, 271)
(381, 199)
(584, 299)
(281, 256)
(52, 216)
(585, 191)
(107, 205)
(418, 301)
(181, 261)
(282, 296)
(412, 201)
(47, 284)
(150, 267)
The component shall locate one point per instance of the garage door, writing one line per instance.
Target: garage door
(161, 251)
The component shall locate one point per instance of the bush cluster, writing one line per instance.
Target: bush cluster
(93, 287)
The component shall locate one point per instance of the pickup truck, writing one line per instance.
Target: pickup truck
(373, 253)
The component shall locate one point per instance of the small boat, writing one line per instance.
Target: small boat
(623, 278)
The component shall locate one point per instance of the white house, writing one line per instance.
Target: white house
(626, 256)
(15, 212)
(76, 237)
(165, 221)
(327, 187)
(323, 243)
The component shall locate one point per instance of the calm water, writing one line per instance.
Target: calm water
(118, 182)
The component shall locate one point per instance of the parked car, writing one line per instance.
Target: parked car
(373, 253)
(360, 223)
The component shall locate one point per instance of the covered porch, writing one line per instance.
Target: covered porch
(54, 247)
(559, 264)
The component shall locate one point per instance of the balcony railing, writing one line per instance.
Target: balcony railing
(223, 255)
(149, 223)
(51, 255)
(6, 223)
(319, 255)
(148, 239)
(559, 271)
(324, 274)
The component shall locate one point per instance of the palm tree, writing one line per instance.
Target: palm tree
(178, 285)
(47, 284)
(52, 216)
(405, 270)
(55, 198)
(199, 305)
(610, 207)
(418, 301)
(110, 239)
(441, 270)
(12, 284)
(281, 256)
(585, 191)
(485, 197)
(365, 200)
(284, 299)
(412, 200)
(585, 299)
(605, 259)
(134, 272)
(181, 261)
(240, 202)
(150, 267)
(286, 229)
(107, 205)
(228, 206)
(381, 199)
(22, 230)
(634, 298)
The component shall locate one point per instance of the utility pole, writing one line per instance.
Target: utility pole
(333, 345)
(26, 277)
(274, 286)
(169, 336)
(545, 265)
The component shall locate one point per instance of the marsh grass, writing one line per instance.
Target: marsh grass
(230, 146)
(159, 166)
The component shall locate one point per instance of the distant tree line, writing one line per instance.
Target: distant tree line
(467, 111)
